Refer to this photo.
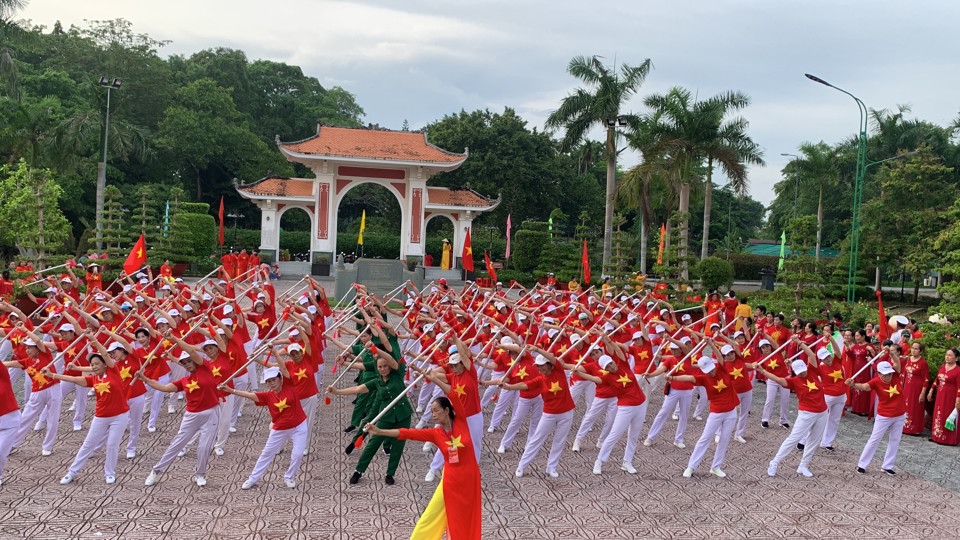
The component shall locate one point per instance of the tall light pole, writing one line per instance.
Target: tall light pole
(796, 188)
(109, 84)
(857, 190)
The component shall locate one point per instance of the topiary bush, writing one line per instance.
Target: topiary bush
(715, 273)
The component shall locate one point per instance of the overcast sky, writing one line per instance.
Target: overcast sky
(420, 60)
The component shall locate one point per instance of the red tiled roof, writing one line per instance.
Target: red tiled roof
(456, 197)
(280, 187)
(373, 144)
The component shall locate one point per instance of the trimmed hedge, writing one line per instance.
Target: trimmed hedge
(748, 267)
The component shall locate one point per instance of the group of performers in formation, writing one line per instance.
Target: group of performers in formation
(534, 356)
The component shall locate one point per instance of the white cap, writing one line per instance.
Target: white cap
(207, 297)
(608, 295)
(548, 320)
(726, 349)
(174, 312)
(128, 287)
(66, 280)
(715, 324)
(165, 288)
(208, 342)
(799, 366)
(521, 316)
(541, 360)
(51, 290)
(162, 320)
(706, 364)
(221, 282)
(67, 327)
(138, 298)
(637, 335)
(631, 317)
(506, 340)
(686, 339)
(583, 316)
(227, 309)
(140, 275)
(500, 283)
(605, 361)
(499, 305)
(575, 338)
(764, 342)
(454, 359)
(312, 310)
(261, 295)
(221, 331)
(445, 300)
(294, 347)
(660, 329)
(409, 302)
(685, 317)
(651, 304)
(427, 327)
(537, 295)
(293, 332)
(29, 342)
(452, 349)
(270, 373)
(303, 301)
(178, 280)
(674, 346)
(737, 334)
(184, 355)
(884, 368)
(608, 326)
(900, 319)
(227, 321)
(635, 301)
(115, 346)
(188, 307)
(143, 281)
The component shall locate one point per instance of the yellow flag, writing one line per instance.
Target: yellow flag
(363, 225)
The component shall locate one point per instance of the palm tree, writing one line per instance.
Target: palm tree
(10, 33)
(817, 165)
(634, 190)
(600, 105)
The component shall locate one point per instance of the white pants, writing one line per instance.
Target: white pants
(585, 388)
(491, 390)
(79, 400)
(835, 406)
(701, 402)
(240, 382)
(427, 417)
(746, 400)
(48, 397)
(318, 376)
(203, 423)
(135, 420)
(103, 432)
(557, 424)
(223, 424)
(475, 424)
(156, 400)
(532, 407)
(629, 421)
(9, 425)
(774, 390)
(506, 401)
(881, 426)
(276, 441)
(600, 406)
(670, 402)
(309, 406)
(724, 423)
(808, 426)
(423, 399)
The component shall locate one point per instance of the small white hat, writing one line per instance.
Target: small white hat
(184, 355)
(293, 332)
(427, 327)
(521, 316)
(227, 309)
(605, 361)
(140, 275)
(575, 338)
(685, 317)
(227, 321)
(67, 327)
(115, 346)
(144, 281)
(660, 329)
(737, 334)
(312, 310)
(541, 360)
(706, 364)
(506, 340)
(500, 305)
(799, 366)
(138, 298)
(51, 290)
(638, 335)
(207, 297)
(208, 342)
(270, 373)
(29, 342)
(583, 316)
(608, 326)
(162, 320)
(188, 307)
(66, 280)
(454, 359)
(686, 339)
(884, 368)
(764, 342)
(127, 287)
(174, 312)
(726, 349)
(823, 354)
(294, 347)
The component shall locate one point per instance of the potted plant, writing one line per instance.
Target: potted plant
(321, 264)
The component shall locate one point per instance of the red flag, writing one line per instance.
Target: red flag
(220, 215)
(663, 237)
(883, 330)
(586, 262)
(137, 258)
(466, 257)
(490, 271)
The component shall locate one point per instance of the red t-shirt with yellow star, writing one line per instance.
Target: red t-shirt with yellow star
(523, 373)
(301, 376)
(221, 369)
(466, 388)
(809, 392)
(670, 361)
(127, 368)
(111, 393)
(284, 407)
(624, 383)
(554, 390)
(75, 355)
(777, 365)
(32, 367)
(200, 388)
(833, 378)
(890, 396)
(8, 402)
(740, 375)
(720, 392)
(642, 356)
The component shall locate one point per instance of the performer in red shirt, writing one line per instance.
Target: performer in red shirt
(891, 410)
(110, 417)
(44, 390)
(9, 418)
(93, 278)
(631, 410)
(243, 264)
(229, 268)
(834, 390)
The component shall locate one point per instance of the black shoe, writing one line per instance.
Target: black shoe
(861, 470)
(785, 425)
(800, 446)
(386, 449)
(891, 472)
(355, 478)
(830, 448)
(764, 424)
(349, 429)
(349, 449)
(389, 480)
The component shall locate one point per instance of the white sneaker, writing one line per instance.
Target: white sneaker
(306, 452)
(431, 476)
(46, 452)
(647, 442)
(628, 467)
(38, 426)
(152, 429)
(805, 472)
(688, 472)
(131, 454)
(72, 408)
(248, 484)
(170, 409)
(519, 473)
(233, 429)
(772, 470)
(77, 427)
(501, 449)
(182, 452)
(598, 467)
(553, 474)
(680, 445)
(490, 429)
(290, 483)
(218, 451)
(428, 447)
(111, 479)
(419, 410)
(576, 445)
(67, 478)
(675, 417)
(151, 478)
(700, 418)
(740, 439)
(718, 473)
(716, 439)
(201, 481)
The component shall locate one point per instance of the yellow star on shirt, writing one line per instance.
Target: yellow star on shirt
(747, 353)
(836, 375)
(281, 405)
(603, 372)
(263, 323)
(624, 380)
(167, 344)
(39, 378)
(125, 373)
(736, 373)
(554, 387)
(460, 389)
(191, 386)
(720, 386)
(892, 390)
(102, 388)
(216, 371)
(811, 386)
(575, 322)
(644, 355)
(773, 364)
(522, 373)
(680, 368)
(302, 374)
(454, 442)
(563, 349)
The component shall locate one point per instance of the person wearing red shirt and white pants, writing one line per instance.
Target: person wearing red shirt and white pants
(835, 393)
(631, 411)
(557, 412)
(529, 404)
(289, 423)
(891, 410)
(723, 412)
(811, 414)
(9, 418)
(680, 395)
(110, 417)
(604, 400)
(44, 391)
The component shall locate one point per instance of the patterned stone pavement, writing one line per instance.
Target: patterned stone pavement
(657, 502)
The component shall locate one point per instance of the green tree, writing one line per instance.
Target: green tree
(600, 105)
(11, 34)
(29, 207)
(816, 168)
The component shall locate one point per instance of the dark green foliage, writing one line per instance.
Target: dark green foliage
(748, 267)
(715, 273)
(526, 248)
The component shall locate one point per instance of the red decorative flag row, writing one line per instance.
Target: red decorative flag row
(490, 271)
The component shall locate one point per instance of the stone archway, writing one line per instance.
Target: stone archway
(342, 196)
(294, 219)
(440, 230)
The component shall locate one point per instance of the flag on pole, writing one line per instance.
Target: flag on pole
(220, 216)
(490, 271)
(466, 257)
(586, 262)
(137, 258)
(783, 249)
(166, 220)
(550, 225)
(507, 254)
(363, 225)
(663, 239)
(883, 332)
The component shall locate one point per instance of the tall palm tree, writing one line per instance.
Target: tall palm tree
(817, 166)
(599, 105)
(634, 189)
(10, 34)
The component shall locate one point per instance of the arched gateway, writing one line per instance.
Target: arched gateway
(343, 158)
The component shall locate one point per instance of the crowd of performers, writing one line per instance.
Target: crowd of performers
(527, 357)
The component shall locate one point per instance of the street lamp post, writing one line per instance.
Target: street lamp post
(109, 84)
(796, 188)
